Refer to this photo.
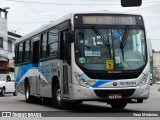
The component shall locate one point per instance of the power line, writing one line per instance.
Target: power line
(150, 1)
(155, 44)
(28, 7)
(27, 22)
(146, 1)
(35, 10)
(61, 4)
(155, 39)
(49, 3)
(144, 8)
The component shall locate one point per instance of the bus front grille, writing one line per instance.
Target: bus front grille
(105, 93)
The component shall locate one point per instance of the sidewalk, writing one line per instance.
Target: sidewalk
(154, 89)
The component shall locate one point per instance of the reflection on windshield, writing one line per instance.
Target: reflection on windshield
(134, 55)
(92, 53)
(103, 39)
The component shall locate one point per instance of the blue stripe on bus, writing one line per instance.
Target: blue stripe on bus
(98, 82)
(101, 82)
(85, 77)
(21, 70)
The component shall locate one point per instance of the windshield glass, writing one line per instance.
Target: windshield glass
(110, 49)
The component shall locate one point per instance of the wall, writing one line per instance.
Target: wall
(3, 32)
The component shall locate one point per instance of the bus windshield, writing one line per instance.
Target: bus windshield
(124, 48)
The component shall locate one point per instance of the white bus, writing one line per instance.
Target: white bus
(95, 56)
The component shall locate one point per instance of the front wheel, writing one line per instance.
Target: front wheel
(57, 100)
(118, 105)
(3, 92)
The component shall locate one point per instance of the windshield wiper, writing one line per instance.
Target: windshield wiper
(104, 40)
(124, 40)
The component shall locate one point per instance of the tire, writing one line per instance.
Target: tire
(28, 97)
(118, 104)
(15, 93)
(79, 102)
(57, 100)
(47, 100)
(3, 92)
(140, 100)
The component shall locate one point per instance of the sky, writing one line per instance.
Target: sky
(24, 16)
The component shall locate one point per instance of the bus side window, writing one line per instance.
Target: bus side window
(43, 48)
(16, 54)
(26, 50)
(66, 46)
(53, 43)
(31, 50)
(20, 53)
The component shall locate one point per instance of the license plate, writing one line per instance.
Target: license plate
(115, 96)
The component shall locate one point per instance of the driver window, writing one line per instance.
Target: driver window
(8, 79)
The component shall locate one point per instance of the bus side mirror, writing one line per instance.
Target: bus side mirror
(70, 36)
(131, 3)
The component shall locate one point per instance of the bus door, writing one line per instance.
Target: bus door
(66, 63)
(35, 62)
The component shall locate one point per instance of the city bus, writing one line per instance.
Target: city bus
(90, 56)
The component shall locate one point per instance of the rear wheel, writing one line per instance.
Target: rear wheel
(118, 104)
(3, 92)
(57, 100)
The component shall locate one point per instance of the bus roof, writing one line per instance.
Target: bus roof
(63, 19)
(44, 27)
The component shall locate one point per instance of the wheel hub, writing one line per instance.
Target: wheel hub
(58, 95)
(27, 93)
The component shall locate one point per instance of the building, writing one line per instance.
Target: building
(7, 54)
(156, 66)
(7, 40)
(12, 37)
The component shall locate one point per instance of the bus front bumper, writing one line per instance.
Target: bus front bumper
(78, 92)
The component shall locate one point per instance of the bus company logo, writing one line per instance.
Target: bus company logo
(114, 84)
(6, 114)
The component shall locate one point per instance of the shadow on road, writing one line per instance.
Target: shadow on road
(85, 107)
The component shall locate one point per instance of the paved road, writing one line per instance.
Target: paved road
(17, 103)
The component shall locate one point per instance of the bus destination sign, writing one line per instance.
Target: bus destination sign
(110, 20)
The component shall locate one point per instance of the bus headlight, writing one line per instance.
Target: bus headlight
(81, 81)
(143, 81)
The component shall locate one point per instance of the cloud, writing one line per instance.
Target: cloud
(21, 12)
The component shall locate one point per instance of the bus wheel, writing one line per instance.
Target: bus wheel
(140, 100)
(118, 105)
(57, 100)
(3, 92)
(28, 97)
(79, 101)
